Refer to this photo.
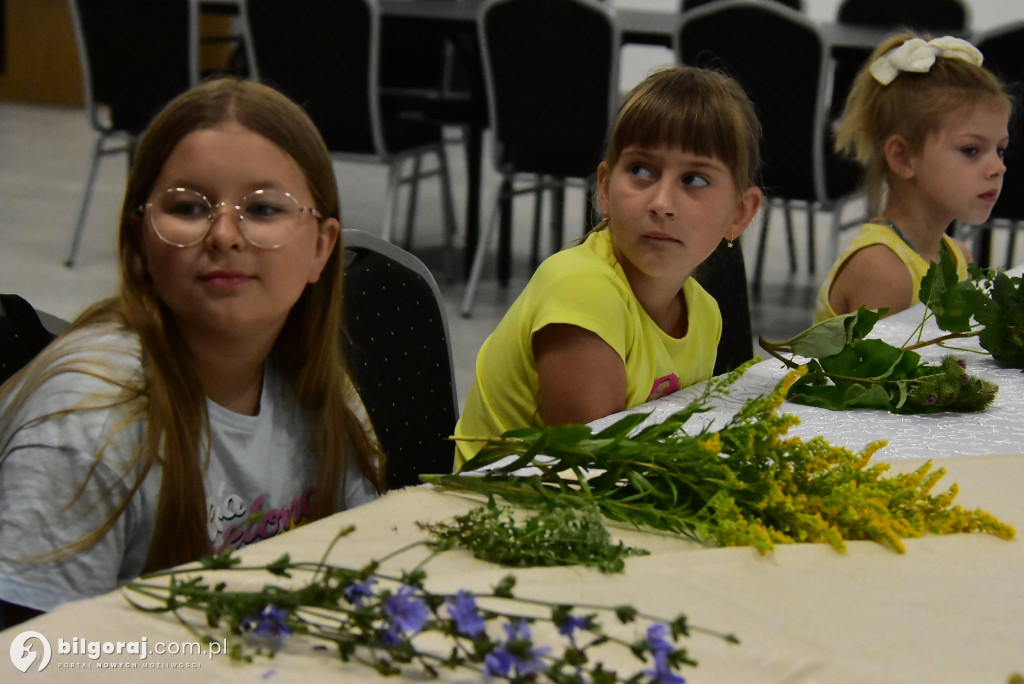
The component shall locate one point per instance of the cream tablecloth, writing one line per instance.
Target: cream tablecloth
(950, 610)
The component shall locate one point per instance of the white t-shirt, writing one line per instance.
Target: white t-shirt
(258, 464)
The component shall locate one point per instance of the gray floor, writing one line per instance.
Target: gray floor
(44, 154)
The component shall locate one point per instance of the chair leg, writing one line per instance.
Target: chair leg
(505, 233)
(83, 210)
(413, 199)
(480, 255)
(1011, 243)
(391, 198)
(762, 243)
(789, 238)
(811, 227)
(447, 210)
(557, 215)
(538, 214)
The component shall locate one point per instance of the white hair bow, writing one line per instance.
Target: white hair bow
(918, 55)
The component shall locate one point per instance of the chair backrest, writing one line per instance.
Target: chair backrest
(400, 357)
(785, 85)
(551, 69)
(135, 57)
(724, 276)
(22, 333)
(1003, 49)
(324, 54)
(929, 16)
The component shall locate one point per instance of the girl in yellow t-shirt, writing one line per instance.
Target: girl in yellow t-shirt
(617, 320)
(929, 125)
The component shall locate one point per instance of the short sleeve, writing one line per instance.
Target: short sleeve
(50, 498)
(590, 298)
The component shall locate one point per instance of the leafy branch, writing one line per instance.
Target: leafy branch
(562, 536)
(746, 484)
(846, 370)
(391, 622)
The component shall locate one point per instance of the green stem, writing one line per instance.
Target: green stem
(939, 340)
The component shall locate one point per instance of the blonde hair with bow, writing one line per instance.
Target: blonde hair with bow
(910, 86)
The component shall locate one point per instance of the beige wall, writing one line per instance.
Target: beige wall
(42, 57)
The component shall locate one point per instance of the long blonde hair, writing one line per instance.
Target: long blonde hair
(913, 106)
(168, 397)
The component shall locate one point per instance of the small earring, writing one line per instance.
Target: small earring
(728, 244)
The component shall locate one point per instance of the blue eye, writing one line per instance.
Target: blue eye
(696, 180)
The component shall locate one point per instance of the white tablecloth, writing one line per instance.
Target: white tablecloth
(997, 430)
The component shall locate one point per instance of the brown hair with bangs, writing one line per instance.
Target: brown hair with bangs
(913, 106)
(697, 110)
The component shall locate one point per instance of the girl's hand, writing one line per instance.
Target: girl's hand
(581, 377)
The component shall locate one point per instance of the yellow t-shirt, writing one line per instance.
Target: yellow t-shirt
(584, 286)
(881, 234)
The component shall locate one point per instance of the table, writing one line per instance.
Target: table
(998, 430)
(950, 610)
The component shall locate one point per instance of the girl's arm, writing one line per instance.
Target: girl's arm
(873, 277)
(581, 377)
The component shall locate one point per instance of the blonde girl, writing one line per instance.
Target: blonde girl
(207, 405)
(618, 320)
(929, 126)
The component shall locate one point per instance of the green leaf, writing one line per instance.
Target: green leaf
(831, 336)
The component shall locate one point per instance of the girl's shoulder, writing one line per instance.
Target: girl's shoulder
(91, 365)
(591, 264)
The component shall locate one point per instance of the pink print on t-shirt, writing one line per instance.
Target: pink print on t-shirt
(664, 386)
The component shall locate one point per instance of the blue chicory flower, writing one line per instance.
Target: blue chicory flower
(357, 592)
(271, 621)
(517, 654)
(661, 648)
(570, 625)
(464, 612)
(269, 626)
(657, 640)
(407, 612)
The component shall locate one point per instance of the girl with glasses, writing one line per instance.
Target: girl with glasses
(206, 406)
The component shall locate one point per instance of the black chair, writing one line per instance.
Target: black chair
(24, 332)
(1003, 48)
(326, 56)
(724, 276)
(789, 90)
(135, 57)
(551, 70)
(399, 354)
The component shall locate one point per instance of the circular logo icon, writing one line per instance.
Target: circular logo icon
(23, 655)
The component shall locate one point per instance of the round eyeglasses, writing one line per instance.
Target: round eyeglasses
(267, 218)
